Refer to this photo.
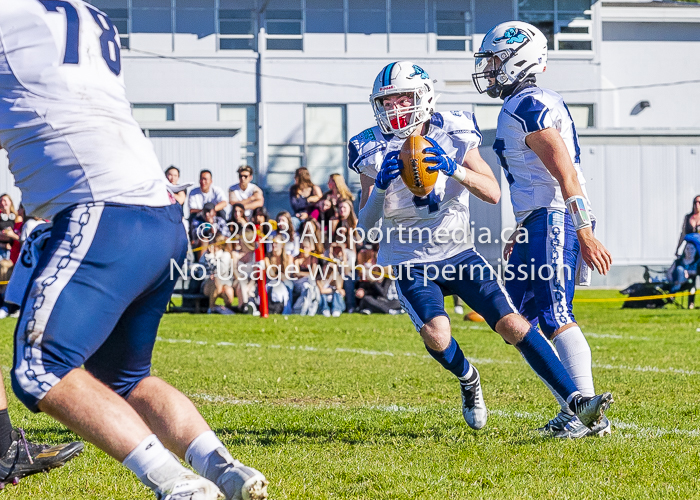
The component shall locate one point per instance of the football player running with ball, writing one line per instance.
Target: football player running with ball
(538, 148)
(99, 289)
(403, 101)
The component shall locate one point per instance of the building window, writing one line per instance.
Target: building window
(237, 25)
(408, 16)
(582, 115)
(325, 16)
(325, 141)
(283, 160)
(566, 23)
(284, 24)
(118, 13)
(453, 25)
(196, 17)
(153, 112)
(245, 115)
(367, 16)
(151, 16)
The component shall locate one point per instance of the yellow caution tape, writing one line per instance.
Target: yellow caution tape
(634, 299)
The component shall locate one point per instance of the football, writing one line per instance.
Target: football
(415, 175)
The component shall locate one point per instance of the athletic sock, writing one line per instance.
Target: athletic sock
(544, 361)
(200, 451)
(575, 355)
(5, 432)
(152, 462)
(562, 403)
(452, 359)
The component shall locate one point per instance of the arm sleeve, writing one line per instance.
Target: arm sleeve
(372, 211)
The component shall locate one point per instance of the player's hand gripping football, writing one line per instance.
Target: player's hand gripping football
(593, 252)
(441, 160)
(391, 169)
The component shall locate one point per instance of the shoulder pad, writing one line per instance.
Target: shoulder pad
(529, 111)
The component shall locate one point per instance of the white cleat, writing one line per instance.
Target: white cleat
(574, 429)
(187, 486)
(473, 407)
(557, 423)
(235, 480)
(602, 428)
(590, 410)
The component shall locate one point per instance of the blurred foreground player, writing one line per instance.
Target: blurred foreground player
(537, 146)
(403, 100)
(101, 285)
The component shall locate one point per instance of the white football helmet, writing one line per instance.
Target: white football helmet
(509, 52)
(403, 77)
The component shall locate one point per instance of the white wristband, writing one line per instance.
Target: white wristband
(460, 174)
(578, 210)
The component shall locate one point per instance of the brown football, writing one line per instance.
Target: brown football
(414, 174)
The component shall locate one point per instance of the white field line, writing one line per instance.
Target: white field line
(613, 336)
(368, 352)
(649, 432)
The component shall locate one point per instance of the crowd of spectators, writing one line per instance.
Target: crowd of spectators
(313, 263)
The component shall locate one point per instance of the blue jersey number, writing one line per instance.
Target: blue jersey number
(499, 146)
(72, 55)
(108, 40)
(431, 201)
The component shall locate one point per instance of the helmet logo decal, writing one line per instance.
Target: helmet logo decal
(417, 70)
(513, 35)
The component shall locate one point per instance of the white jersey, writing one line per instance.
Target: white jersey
(446, 209)
(531, 184)
(64, 118)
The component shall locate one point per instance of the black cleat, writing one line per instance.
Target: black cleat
(25, 458)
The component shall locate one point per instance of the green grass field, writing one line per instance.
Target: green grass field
(353, 408)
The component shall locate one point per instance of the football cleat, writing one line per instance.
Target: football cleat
(24, 458)
(235, 480)
(557, 423)
(473, 406)
(602, 428)
(590, 410)
(185, 486)
(574, 429)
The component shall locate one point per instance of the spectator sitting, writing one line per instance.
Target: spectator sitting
(245, 192)
(243, 270)
(327, 216)
(207, 193)
(261, 220)
(378, 297)
(304, 194)
(331, 285)
(8, 219)
(219, 281)
(277, 264)
(347, 224)
(285, 228)
(691, 223)
(305, 291)
(346, 259)
(173, 176)
(216, 226)
(237, 220)
(17, 230)
(338, 190)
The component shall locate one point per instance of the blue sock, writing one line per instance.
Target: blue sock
(452, 359)
(541, 358)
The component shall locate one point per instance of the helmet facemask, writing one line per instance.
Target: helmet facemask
(401, 121)
(492, 67)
